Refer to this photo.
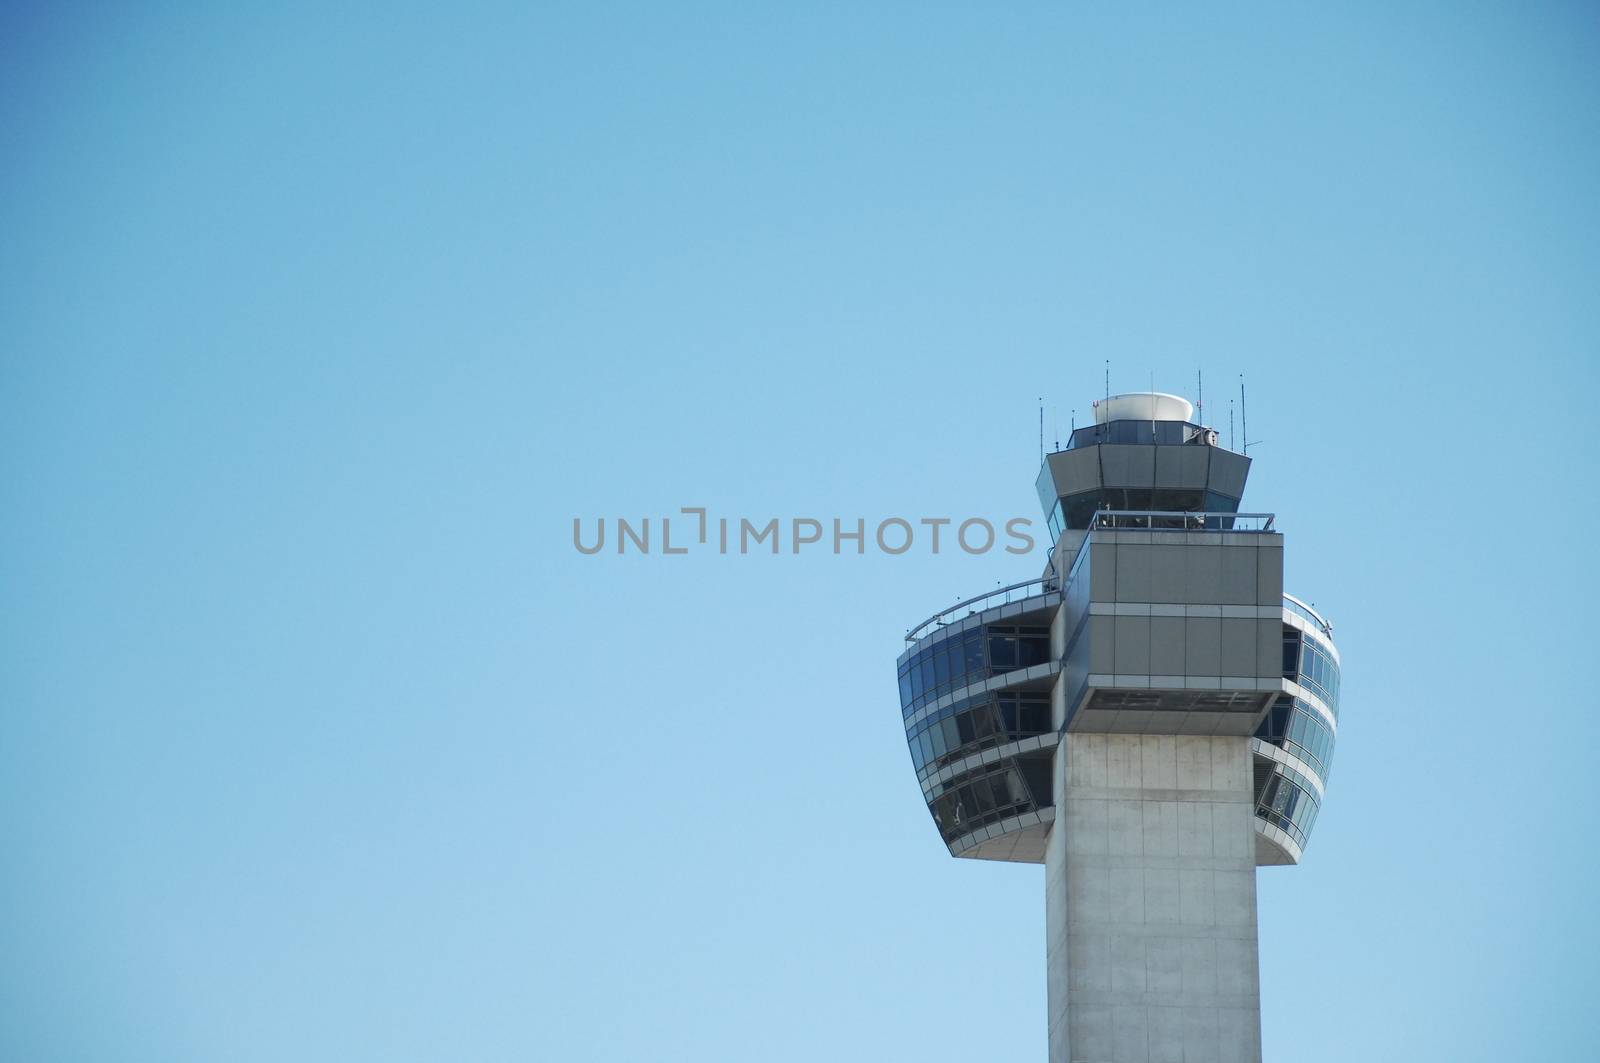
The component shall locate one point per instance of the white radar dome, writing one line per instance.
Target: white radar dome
(1143, 406)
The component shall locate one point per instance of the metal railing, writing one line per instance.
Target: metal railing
(999, 596)
(1299, 608)
(1177, 520)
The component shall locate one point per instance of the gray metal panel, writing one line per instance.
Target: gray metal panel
(1075, 470)
(1130, 722)
(1238, 647)
(1093, 720)
(1166, 645)
(1167, 578)
(1236, 723)
(1228, 472)
(1132, 653)
(1202, 574)
(1238, 575)
(1128, 464)
(1194, 463)
(1181, 466)
(1202, 646)
(1074, 604)
(1134, 572)
(1069, 688)
(1269, 571)
(1102, 572)
(1169, 467)
(1269, 647)
(1101, 634)
(1168, 723)
(1045, 484)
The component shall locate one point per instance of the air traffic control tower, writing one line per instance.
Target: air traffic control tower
(1151, 720)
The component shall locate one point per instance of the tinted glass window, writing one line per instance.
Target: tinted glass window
(1033, 649)
(1035, 718)
(972, 650)
(1002, 651)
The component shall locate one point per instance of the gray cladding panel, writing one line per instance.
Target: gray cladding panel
(1238, 647)
(1102, 644)
(1269, 572)
(1045, 484)
(1142, 465)
(1102, 572)
(1169, 469)
(1135, 572)
(1202, 575)
(1269, 648)
(1182, 466)
(1166, 645)
(1228, 472)
(1128, 464)
(1075, 470)
(1238, 575)
(1168, 560)
(1132, 653)
(1181, 575)
(1202, 646)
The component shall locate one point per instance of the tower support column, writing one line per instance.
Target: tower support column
(1150, 901)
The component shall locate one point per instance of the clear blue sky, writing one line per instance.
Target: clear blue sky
(320, 741)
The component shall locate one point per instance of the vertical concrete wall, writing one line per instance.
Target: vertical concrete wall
(1150, 902)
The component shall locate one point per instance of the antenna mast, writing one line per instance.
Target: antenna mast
(1098, 434)
(1244, 425)
(1041, 429)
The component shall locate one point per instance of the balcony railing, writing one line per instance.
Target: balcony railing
(1171, 520)
(1299, 608)
(999, 596)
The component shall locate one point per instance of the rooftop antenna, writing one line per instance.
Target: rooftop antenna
(1200, 397)
(1244, 425)
(1230, 426)
(1041, 429)
(1108, 395)
(1055, 425)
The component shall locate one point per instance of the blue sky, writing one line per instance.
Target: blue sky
(322, 742)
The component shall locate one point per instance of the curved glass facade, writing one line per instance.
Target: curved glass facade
(975, 724)
(1289, 801)
(1311, 664)
(1285, 797)
(1010, 786)
(967, 657)
(1297, 728)
(990, 794)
